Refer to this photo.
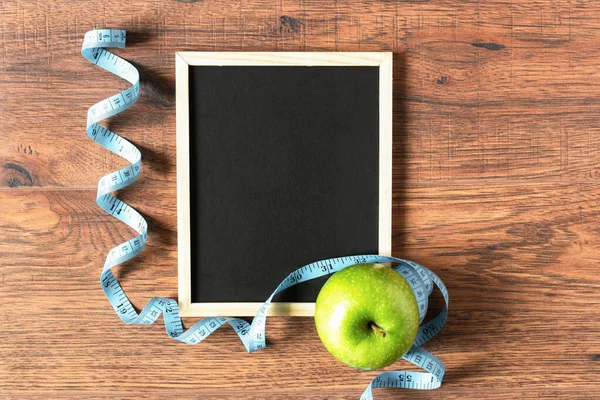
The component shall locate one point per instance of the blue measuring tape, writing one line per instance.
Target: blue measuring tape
(252, 335)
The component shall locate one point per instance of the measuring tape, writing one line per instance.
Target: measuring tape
(252, 335)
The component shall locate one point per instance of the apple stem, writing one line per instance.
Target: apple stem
(377, 329)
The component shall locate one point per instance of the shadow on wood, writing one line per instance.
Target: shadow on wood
(399, 170)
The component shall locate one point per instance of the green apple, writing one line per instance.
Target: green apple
(367, 316)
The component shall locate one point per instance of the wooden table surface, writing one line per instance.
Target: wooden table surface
(496, 188)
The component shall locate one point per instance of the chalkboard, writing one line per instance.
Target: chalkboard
(283, 168)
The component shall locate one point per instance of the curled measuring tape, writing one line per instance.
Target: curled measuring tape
(251, 334)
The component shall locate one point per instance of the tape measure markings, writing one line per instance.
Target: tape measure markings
(252, 335)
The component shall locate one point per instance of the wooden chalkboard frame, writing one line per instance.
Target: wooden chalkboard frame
(183, 60)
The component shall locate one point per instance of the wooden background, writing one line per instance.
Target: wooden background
(496, 188)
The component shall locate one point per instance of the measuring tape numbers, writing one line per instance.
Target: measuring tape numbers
(252, 335)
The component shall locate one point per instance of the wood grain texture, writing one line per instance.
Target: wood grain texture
(496, 187)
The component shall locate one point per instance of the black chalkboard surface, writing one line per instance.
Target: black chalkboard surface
(283, 171)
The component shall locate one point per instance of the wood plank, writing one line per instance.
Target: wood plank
(519, 261)
(489, 92)
(316, 394)
(496, 183)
